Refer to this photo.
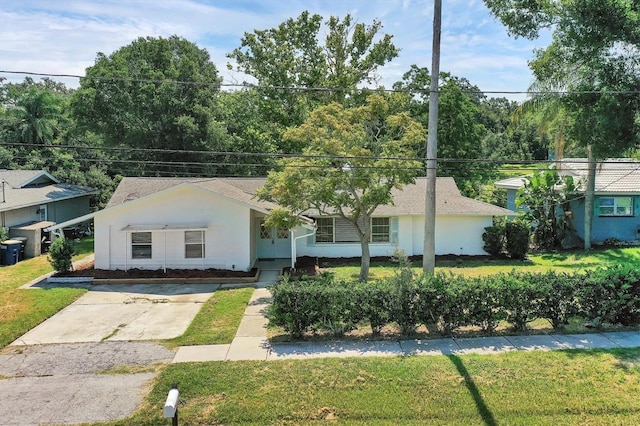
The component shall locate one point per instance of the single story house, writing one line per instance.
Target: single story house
(159, 223)
(31, 200)
(617, 197)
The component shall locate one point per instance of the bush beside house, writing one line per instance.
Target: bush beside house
(60, 254)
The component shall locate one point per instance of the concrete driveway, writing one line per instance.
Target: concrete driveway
(123, 313)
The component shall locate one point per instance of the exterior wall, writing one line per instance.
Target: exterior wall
(308, 247)
(64, 210)
(20, 216)
(227, 234)
(511, 199)
(623, 228)
(459, 235)
(59, 211)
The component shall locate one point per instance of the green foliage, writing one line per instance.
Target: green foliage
(494, 237)
(545, 200)
(294, 54)
(460, 134)
(60, 254)
(352, 159)
(404, 297)
(447, 302)
(314, 304)
(4, 233)
(481, 299)
(611, 295)
(150, 108)
(520, 296)
(517, 236)
(557, 299)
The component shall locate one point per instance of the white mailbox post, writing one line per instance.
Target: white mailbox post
(171, 406)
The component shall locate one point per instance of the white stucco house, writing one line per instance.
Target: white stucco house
(159, 223)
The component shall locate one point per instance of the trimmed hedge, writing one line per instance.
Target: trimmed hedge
(446, 302)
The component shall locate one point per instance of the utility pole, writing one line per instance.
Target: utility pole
(429, 251)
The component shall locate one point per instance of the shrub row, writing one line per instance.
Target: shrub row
(447, 302)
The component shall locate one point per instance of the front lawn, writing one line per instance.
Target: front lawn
(21, 310)
(565, 261)
(563, 387)
(218, 319)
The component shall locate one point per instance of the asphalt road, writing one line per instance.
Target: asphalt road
(61, 384)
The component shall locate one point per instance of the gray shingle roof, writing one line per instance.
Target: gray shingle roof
(613, 176)
(617, 175)
(20, 178)
(16, 196)
(409, 201)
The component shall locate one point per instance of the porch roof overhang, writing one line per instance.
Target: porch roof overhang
(158, 227)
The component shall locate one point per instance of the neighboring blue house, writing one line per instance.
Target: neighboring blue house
(617, 197)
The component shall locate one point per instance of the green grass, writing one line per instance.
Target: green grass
(566, 261)
(218, 319)
(561, 387)
(21, 310)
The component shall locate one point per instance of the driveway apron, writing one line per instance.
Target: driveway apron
(123, 312)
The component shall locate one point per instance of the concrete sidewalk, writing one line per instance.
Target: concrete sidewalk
(251, 343)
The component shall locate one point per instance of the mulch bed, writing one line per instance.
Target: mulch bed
(89, 271)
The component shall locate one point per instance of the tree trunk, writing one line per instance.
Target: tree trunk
(365, 238)
(365, 262)
(589, 198)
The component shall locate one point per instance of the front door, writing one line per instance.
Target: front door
(273, 243)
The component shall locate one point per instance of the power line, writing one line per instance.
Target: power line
(498, 161)
(246, 85)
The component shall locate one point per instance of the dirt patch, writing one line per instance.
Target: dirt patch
(88, 270)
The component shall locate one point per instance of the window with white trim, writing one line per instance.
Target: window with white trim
(141, 245)
(380, 230)
(194, 244)
(615, 206)
(324, 230)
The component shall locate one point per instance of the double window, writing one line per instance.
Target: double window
(141, 245)
(615, 206)
(194, 244)
(337, 230)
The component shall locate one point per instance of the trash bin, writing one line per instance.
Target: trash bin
(10, 251)
(23, 243)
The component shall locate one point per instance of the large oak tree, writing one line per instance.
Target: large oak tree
(294, 65)
(154, 94)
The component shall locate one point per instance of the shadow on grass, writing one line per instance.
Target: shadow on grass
(483, 409)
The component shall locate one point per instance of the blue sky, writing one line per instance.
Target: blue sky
(63, 36)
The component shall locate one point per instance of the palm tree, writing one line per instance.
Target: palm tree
(38, 112)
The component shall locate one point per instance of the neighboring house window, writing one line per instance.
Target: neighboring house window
(380, 230)
(42, 213)
(615, 206)
(141, 245)
(194, 244)
(324, 230)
